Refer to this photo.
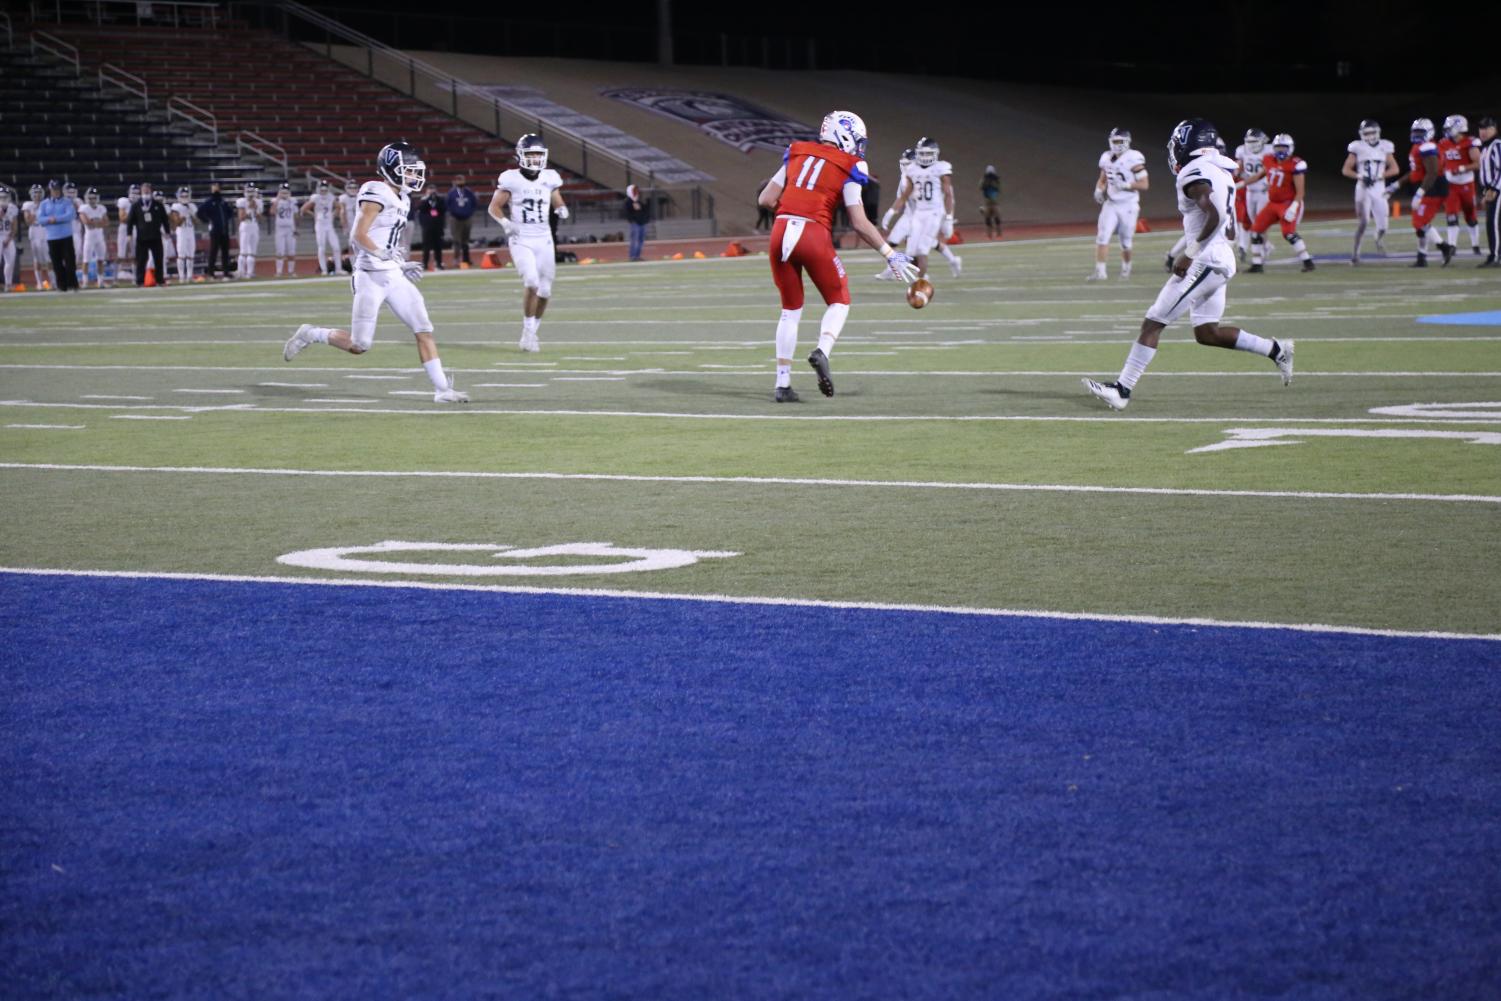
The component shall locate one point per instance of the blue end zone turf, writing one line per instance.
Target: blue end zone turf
(1488, 318)
(252, 790)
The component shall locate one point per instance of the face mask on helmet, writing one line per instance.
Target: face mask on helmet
(1120, 141)
(925, 155)
(1370, 132)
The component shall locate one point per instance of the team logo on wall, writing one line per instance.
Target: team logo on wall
(729, 119)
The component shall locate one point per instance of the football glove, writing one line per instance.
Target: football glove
(1394, 187)
(886, 220)
(1417, 200)
(507, 228)
(411, 270)
(394, 254)
(947, 230)
(1294, 212)
(901, 266)
(1099, 196)
(562, 211)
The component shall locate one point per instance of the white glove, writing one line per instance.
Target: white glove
(1393, 187)
(562, 211)
(1417, 200)
(411, 270)
(901, 266)
(507, 228)
(1099, 196)
(886, 220)
(1294, 212)
(394, 254)
(947, 230)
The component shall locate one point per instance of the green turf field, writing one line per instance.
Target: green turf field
(947, 471)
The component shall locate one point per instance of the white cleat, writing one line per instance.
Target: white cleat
(1097, 277)
(297, 342)
(956, 265)
(450, 395)
(1109, 393)
(1284, 362)
(529, 342)
(1126, 275)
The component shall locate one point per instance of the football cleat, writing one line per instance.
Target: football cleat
(1381, 245)
(1284, 361)
(1447, 249)
(957, 264)
(297, 342)
(1308, 264)
(450, 395)
(786, 394)
(820, 364)
(1421, 262)
(1095, 276)
(1255, 269)
(1112, 394)
(529, 342)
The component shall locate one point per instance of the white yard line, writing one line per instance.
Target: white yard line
(111, 396)
(149, 417)
(757, 600)
(47, 427)
(291, 385)
(1065, 488)
(211, 392)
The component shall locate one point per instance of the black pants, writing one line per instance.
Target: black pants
(1492, 224)
(64, 264)
(432, 241)
(218, 246)
(154, 248)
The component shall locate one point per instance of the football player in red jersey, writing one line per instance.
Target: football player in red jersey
(1285, 177)
(1432, 190)
(813, 179)
(1459, 156)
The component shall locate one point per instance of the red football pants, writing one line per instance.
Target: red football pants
(814, 251)
(1461, 199)
(1427, 210)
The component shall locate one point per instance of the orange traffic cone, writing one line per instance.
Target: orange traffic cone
(735, 249)
(488, 261)
(955, 238)
(150, 278)
(1396, 208)
(678, 256)
(698, 255)
(1142, 227)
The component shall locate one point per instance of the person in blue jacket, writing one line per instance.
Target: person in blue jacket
(56, 215)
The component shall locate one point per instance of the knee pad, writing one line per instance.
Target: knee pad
(1452, 220)
(1126, 241)
(1292, 237)
(361, 337)
(1258, 238)
(544, 290)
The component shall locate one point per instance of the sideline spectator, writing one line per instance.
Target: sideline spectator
(56, 214)
(430, 214)
(766, 216)
(146, 222)
(220, 216)
(461, 203)
(990, 189)
(638, 214)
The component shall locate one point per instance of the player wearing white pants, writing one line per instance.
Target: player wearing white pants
(10, 230)
(36, 237)
(182, 214)
(1250, 179)
(1117, 190)
(1206, 198)
(94, 218)
(925, 202)
(323, 206)
(284, 213)
(898, 233)
(382, 273)
(125, 246)
(249, 207)
(523, 200)
(1371, 162)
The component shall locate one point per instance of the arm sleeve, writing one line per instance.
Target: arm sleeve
(780, 177)
(853, 194)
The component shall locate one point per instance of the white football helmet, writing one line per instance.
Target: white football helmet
(38, 192)
(1282, 145)
(905, 160)
(845, 130)
(184, 193)
(531, 152)
(1120, 141)
(4, 195)
(925, 153)
(1456, 126)
(134, 192)
(91, 196)
(351, 187)
(1422, 130)
(1255, 140)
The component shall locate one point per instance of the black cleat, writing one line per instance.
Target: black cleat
(820, 364)
(786, 394)
(1308, 264)
(1255, 269)
(1421, 262)
(1447, 249)
(1489, 262)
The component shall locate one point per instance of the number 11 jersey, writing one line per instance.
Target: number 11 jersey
(815, 176)
(531, 200)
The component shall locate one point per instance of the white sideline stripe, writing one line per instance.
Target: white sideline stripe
(47, 427)
(729, 599)
(510, 385)
(211, 392)
(591, 378)
(247, 408)
(1070, 488)
(150, 417)
(111, 396)
(284, 385)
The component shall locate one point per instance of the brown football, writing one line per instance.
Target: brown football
(919, 293)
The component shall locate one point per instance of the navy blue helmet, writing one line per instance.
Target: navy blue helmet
(1191, 136)
(400, 165)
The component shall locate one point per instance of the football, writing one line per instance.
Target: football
(919, 293)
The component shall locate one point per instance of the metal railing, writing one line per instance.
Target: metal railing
(463, 100)
(10, 32)
(177, 13)
(181, 107)
(316, 174)
(111, 74)
(264, 148)
(53, 45)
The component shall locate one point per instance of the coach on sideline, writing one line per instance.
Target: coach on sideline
(146, 221)
(1490, 186)
(56, 214)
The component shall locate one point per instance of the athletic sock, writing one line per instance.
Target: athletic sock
(1125, 269)
(436, 374)
(826, 344)
(1137, 361)
(1474, 236)
(1301, 249)
(319, 335)
(784, 376)
(787, 332)
(1247, 341)
(1099, 270)
(948, 254)
(832, 323)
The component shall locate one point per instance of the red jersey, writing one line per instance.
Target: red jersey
(1435, 187)
(1279, 176)
(1454, 159)
(816, 176)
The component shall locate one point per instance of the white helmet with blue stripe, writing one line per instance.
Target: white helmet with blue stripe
(844, 129)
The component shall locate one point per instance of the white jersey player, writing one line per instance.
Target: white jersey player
(1250, 180)
(181, 214)
(125, 244)
(169, 245)
(382, 273)
(70, 190)
(249, 208)
(1206, 198)
(348, 211)
(10, 231)
(1123, 176)
(36, 238)
(929, 183)
(284, 214)
(94, 218)
(896, 230)
(1371, 162)
(323, 206)
(524, 199)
